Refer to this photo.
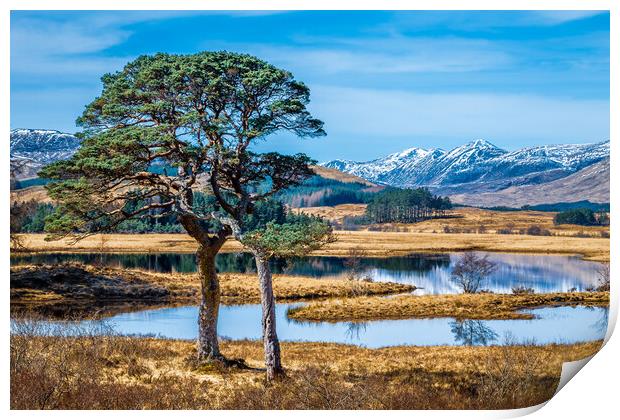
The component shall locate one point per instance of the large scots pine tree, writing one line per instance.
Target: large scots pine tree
(197, 117)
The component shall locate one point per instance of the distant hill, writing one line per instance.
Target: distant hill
(589, 184)
(331, 173)
(478, 166)
(32, 149)
(36, 193)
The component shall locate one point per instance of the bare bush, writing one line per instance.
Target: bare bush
(471, 270)
(603, 279)
(67, 366)
(353, 263)
(511, 378)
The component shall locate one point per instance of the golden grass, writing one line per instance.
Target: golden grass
(235, 288)
(36, 193)
(335, 213)
(120, 372)
(463, 218)
(374, 244)
(381, 244)
(463, 306)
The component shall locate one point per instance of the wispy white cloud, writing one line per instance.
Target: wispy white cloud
(381, 55)
(350, 112)
(556, 17)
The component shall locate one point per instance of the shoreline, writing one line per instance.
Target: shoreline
(72, 287)
(373, 244)
(84, 289)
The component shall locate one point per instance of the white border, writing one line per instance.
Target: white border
(592, 395)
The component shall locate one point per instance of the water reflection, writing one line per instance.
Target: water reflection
(431, 273)
(472, 332)
(551, 325)
(602, 322)
(354, 329)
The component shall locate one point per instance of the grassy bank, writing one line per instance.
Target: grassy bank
(462, 219)
(374, 244)
(68, 285)
(142, 373)
(463, 306)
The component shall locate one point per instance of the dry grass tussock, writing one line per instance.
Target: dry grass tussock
(463, 306)
(109, 372)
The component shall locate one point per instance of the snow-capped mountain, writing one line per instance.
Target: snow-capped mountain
(33, 149)
(589, 184)
(476, 166)
(368, 170)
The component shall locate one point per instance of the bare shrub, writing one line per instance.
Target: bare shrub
(355, 270)
(353, 263)
(511, 379)
(64, 367)
(471, 270)
(482, 229)
(604, 234)
(603, 279)
(503, 231)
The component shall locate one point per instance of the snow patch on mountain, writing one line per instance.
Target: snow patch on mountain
(478, 165)
(32, 149)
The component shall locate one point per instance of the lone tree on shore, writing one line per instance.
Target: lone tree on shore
(196, 117)
(471, 270)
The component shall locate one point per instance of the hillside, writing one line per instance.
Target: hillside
(32, 149)
(590, 183)
(336, 175)
(478, 166)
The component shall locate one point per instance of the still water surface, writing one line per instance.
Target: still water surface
(429, 272)
(552, 325)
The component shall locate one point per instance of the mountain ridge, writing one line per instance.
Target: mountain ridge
(477, 166)
(31, 149)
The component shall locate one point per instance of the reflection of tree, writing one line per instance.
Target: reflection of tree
(354, 329)
(601, 323)
(244, 263)
(472, 333)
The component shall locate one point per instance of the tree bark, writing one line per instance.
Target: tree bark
(210, 244)
(208, 347)
(271, 344)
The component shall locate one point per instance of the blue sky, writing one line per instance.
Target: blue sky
(381, 81)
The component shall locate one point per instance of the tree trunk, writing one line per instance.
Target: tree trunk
(270, 338)
(208, 348)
